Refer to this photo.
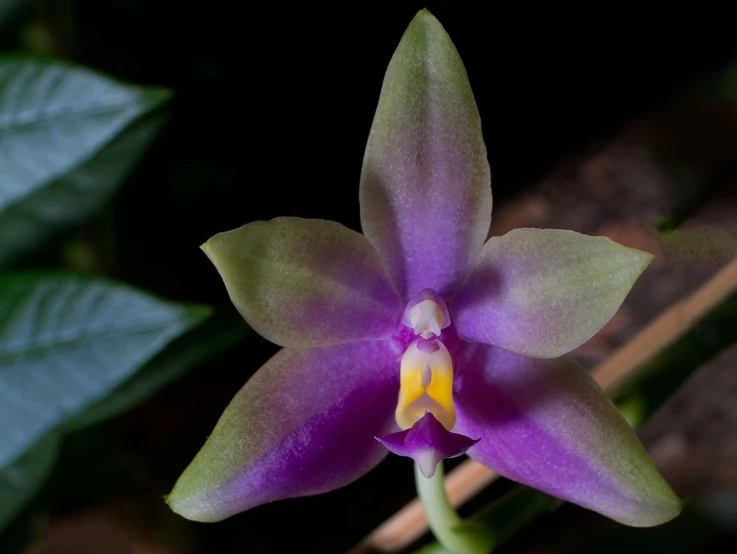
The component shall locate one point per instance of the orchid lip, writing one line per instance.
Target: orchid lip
(426, 384)
(427, 442)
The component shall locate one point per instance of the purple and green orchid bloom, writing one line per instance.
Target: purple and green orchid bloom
(421, 333)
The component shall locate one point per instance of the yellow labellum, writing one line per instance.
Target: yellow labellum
(426, 384)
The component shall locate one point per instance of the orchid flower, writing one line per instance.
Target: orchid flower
(421, 333)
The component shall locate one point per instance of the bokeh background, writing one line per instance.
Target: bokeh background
(605, 120)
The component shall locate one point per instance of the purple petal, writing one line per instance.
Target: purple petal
(547, 424)
(427, 442)
(543, 292)
(306, 282)
(304, 424)
(425, 185)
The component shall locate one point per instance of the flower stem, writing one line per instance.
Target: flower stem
(451, 531)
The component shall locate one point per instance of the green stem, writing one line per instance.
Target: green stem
(451, 531)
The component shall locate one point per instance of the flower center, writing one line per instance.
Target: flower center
(426, 384)
(426, 372)
(426, 319)
(426, 314)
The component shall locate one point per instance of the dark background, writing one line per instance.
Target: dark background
(272, 108)
(273, 104)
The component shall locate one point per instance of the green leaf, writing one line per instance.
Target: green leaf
(75, 196)
(193, 348)
(68, 137)
(67, 341)
(20, 480)
(9, 10)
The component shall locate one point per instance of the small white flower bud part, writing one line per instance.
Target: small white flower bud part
(426, 314)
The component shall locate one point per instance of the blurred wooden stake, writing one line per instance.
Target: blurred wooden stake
(465, 481)
(409, 523)
(675, 322)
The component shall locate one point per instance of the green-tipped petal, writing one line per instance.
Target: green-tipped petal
(543, 292)
(306, 282)
(304, 424)
(547, 424)
(425, 184)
